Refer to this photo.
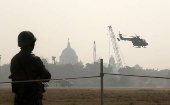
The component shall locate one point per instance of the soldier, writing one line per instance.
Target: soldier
(27, 66)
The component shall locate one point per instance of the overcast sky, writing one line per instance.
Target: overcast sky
(85, 21)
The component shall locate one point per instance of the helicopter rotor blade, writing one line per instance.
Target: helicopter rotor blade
(136, 34)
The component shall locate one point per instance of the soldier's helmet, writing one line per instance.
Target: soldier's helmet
(26, 38)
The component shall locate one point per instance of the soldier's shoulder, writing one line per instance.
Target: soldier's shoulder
(37, 60)
(14, 57)
(35, 57)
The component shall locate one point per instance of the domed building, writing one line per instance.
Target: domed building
(68, 55)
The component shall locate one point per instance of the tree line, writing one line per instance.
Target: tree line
(93, 69)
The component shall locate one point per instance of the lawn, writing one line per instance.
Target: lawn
(91, 96)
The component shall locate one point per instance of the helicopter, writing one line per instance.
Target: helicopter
(136, 40)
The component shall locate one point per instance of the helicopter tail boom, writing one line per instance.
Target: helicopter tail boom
(122, 38)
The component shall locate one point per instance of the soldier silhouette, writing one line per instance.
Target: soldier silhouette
(27, 66)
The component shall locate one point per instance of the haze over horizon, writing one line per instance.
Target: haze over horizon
(86, 21)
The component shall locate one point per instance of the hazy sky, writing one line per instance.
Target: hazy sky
(85, 21)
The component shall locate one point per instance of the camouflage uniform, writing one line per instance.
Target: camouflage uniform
(27, 66)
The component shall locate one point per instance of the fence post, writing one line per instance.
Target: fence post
(101, 78)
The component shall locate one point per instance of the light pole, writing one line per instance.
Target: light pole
(0, 69)
(0, 60)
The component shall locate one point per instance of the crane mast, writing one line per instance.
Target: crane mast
(53, 58)
(94, 52)
(119, 58)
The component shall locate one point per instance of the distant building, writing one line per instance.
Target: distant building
(112, 61)
(137, 67)
(69, 56)
(113, 64)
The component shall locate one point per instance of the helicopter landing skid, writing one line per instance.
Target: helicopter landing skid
(140, 47)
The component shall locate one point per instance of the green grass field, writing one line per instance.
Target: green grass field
(91, 96)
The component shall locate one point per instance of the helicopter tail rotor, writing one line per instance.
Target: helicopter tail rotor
(118, 39)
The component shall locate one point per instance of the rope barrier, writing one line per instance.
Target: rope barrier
(136, 75)
(47, 79)
(101, 74)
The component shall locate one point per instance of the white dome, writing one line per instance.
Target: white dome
(68, 55)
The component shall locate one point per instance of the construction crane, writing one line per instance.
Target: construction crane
(117, 53)
(94, 52)
(53, 58)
